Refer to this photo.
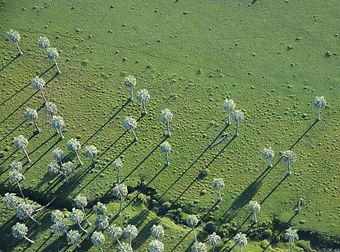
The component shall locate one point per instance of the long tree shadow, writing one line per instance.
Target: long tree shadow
(5, 234)
(14, 129)
(194, 162)
(22, 88)
(9, 62)
(303, 134)
(22, 104)
(109, 120)
(143, 234)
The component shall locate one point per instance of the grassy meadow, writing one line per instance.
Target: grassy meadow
(271, 57)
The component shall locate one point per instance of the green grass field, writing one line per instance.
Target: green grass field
(269, 57)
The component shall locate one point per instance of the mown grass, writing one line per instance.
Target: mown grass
(242, 51)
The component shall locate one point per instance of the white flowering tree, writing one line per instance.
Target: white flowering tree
(14, 178)
(192, 222)
(43, 42)
(130, 82)
(14, 36)
(238, 117)
(53, 55)
(100, 208)
(19, 231)
(66, 169)
(20, 142)
(166, 117)
(165, 148)
(229, 107)
(31, 116)
(51, 109)
(130, 232)
(198, 247)
(241, 240)
(254, 207)
(58, 124)
(125, 247)
(101, 222)
(143, 97)
(291, 235)
(39, 84)
(73, 145)
(81, 202)
(218, 185)
(98, 240)
(24, 211)
(117, 165)
(58, 155)
(114, 233)
(268, 155)
(130, 124)
(76, 217)
(92, 152)
(73, 237)
(319, 103)
(10, 200)
(16, 165)
(120, 192)
(214, 240)
(156, 246)
(289, 158)
(157, 231)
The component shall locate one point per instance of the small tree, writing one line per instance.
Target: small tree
(130, 124)
(73, 237)
(130, 82)
(51, 109)
(298, 205)
(192, 222)
(101, 222)
(14, 36)
(100, 208)
(21, 142)
(31, 116)
(218, 185)
(15, 177)
(143, 97)
(24, 211)
(81, 202)
(73, 145)
(43, 43)
(66, 169)
(120, 192)
(16, 165)
(57, 216)
(229, 106)
(268, 155)
(10, 201)
(115, 233)
(39, 84)
(59, 227)
(291, 235)
(76, 217)
(19, 231)
(156, 246)
(289, 158)
(58, 155)
(117, 165)
(319, 103)
(130, 233)
(98, 240)
(214, 240)
(53, 55)
(125, 247)
(238, 117)
(157, 232)
(241, 240)
(166, 117)
(198, 247)
(254, 207)
(92, 152)
(165, 148)
(58, 124)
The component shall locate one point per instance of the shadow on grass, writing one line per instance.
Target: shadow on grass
(194, 162)
(303, 134)
(14, 129)
(9, 62)
(109, 120)
(22, 104)
(22, 88)
(5, 234)
(143, 234)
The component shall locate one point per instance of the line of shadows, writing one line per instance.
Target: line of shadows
(303, 134)
(194, 162)
(29, 98)
(22, 88)
(109, 120)
(9, 62)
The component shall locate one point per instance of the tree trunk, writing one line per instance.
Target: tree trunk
(167, 160)
(229, 121)
(18, 48)
(241, 248)
(118, 177)
(82, 229)
(30, 216)
(120, 206)
(219, 196)
(289, 171)
(131, 93)
(100, 249)
(36, 126)
(28, 239)
(82, 208)
(144, 108)
(291, 245)
(195, 237)
(236, 129)
(254, 218)
(49, 203)
(168, 129)
(26, 154)
(43, 96)
(22, 194)
(80, 162)
(56, 65)
(318, 118)
(270, 163)
(134, 135)
(213, 249)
